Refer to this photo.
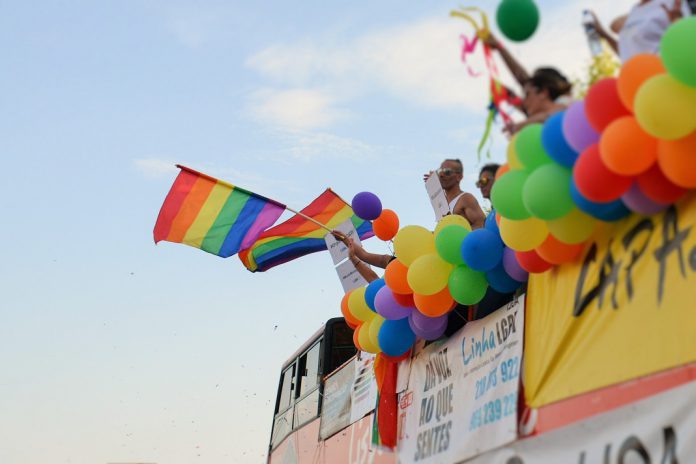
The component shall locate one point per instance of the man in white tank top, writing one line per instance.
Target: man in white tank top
(451, 173)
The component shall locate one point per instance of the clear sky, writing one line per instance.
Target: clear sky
(116, 350)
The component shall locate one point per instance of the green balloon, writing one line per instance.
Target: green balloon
(467, 286)
(506, 195)
(448, 243)
(517, 19)
(546, 194)
(677, 50)
(530, 150)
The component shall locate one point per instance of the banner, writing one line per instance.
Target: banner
(624, 310)
(364, 391)
(462, 393)
(660, 429)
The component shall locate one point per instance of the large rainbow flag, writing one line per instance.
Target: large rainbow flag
(299, 236)
(212, 215)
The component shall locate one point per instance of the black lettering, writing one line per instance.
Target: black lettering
(632, 443)
(514, 460)
(672, 240)
(608, 275)
(692, 259)
(646, 225)
(583, 301)
(669, 455)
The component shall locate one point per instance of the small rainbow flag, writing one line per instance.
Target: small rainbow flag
(212, 215)
(299, 236)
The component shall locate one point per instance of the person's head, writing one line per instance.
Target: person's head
(543, 88)
(450, 173)
(486, 179)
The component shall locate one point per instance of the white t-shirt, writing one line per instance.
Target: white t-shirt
(454, 201)
(644, 27)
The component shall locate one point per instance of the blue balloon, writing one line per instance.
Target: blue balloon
(371, 292)
(500, 281)
(482, 250)
(395, 337)
(555, 143)
(491, 223)
(612, 211)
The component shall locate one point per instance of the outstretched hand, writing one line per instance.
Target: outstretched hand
(347, 241)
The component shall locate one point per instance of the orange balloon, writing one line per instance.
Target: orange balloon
(502, 170)
(634, 72)
(556, 252)
(356, 335)
(677, 159)
(434, 305)
(386, 225)
(395, 277)
(626, 149)
(351, 320)
(404, 299)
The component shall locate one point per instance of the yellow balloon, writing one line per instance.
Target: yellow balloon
(428, 274)
(365, 341)
(358, 306)
(523, 235)
(574, 227)
(666, 108)
(373, 330)
(513, 160)
(412, 242)
(452, 219)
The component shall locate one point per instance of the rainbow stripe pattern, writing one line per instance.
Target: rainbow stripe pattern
(299, 236)
(217, 217)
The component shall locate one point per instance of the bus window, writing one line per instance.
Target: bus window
(307, 407)
(287, 387)
(282, 423)
(341, 346)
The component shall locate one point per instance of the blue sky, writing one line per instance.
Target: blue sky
(117, 350)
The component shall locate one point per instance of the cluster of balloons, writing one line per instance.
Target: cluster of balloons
(629, 146)
(517, 19)
(433, 272)
(385, 225)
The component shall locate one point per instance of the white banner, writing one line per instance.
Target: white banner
(659, 430)
(349, 276)
(337, 249)
(462, 393)
(364, 392)
(438, 200)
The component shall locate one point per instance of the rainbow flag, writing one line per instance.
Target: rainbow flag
(212, 215)
(299, 236)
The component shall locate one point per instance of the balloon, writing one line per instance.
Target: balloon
(513, 160)
(395, 359)
(373, 328)
(387, 307)
(594, 181)
(577, 130)
(452, 220)
(656, 186)
(491, 224)
(555, 143)
(482, 250)
(395, 275)
(386, 225)
(523, 235)
(665, 108)
(412, 242)
(556, 252)
(430, 334)
(351, 320)
(574, 227)
(371, 292)
(357, 305)
(434, 305)
(503, 169)
(448, 243)
(529, 147)
(466, 285)
(611, 211)
(546, 193)
(512, 267)
(396, 337)
(640, 203)
(356, 337)
(428, 274)
(603, 105)
(532, 262)
(405, 299)
(500, 281)
(676, 48)
(365, 341)
(506, 195)
(626, 149)
(634, 72)
(366, 206)
(517, 19)
(677, 161)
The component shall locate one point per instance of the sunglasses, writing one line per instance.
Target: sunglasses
(447, 171)
(483, 182)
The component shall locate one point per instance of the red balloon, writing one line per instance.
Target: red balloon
(603, 105)
(595, 181)
(530, 261)
(395, 359)
(404, 299)
(655, 185)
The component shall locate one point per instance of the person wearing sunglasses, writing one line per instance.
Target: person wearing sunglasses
(486, 179)
(451, 173)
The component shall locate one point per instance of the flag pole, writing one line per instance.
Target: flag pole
(308, 218)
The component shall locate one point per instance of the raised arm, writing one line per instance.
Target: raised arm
(360, 253)
(604, 34)
(515, 67)
(468, 207)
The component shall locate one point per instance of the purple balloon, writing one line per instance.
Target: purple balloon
(367, 206)
(388, 307)
(426, 323)
(640, 203)
(431, 334)
(577, 130)
(512, 266)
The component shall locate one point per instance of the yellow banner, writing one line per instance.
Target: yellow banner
(625, 310)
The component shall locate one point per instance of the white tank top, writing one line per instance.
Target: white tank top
(453, 203)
